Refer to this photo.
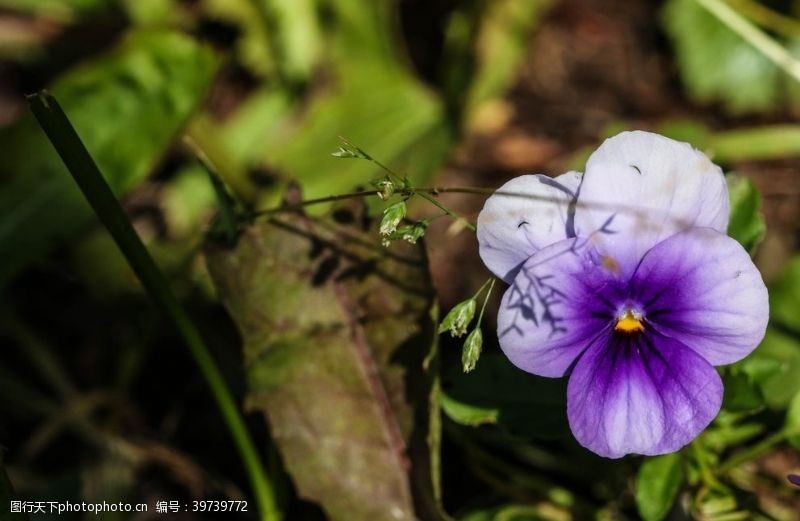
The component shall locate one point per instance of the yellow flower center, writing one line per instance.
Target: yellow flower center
(629, 322)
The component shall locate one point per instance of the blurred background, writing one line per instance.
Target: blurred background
(100, 401)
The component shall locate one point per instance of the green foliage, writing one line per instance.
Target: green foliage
(392, 215)
(792, 425)
(497, 392)
(754, 143)
(472, 350)
(151, 84)
(459, 318)
(657, 485)
(64, 10)
(784, 297)
(334, 328)
(509, 513)
(746, 223)
(718, 65)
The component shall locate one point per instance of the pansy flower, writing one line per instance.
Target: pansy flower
(624, 280)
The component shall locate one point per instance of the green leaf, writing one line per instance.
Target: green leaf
(337, 338)
(784, 297)
(380, 107)
(720, 437)
(746, 223)
(657, 485)
(717, 65)
(501, 45)
(512, 513)
(792, 425)
(781, 353)
(127, 106)
(498, 390)
(466, 414)
(755, 143)
(62, 10)
(742, 392)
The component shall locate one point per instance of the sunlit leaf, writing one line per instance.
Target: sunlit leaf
(127, 106)
(718, 65)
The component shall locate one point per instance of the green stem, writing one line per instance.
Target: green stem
(446, 210)
(480, 290)
(486, 300)
(99, 195)
(751, 453)
(754, 36)
(425, 194)
(706, 474)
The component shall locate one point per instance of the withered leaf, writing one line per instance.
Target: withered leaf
(339, 348)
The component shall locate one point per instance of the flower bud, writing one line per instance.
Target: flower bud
(392, 215)
(472, 350)
(413, 232)
(385, 189)
(459, 318)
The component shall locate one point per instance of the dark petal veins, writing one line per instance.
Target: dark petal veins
(642, 393)
(701, 287)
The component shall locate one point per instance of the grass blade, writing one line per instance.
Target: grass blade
(102, 200)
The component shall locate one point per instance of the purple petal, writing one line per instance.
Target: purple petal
(640, 394)
(560, 300)
(640, 188)
(701, 288)
(523, 216)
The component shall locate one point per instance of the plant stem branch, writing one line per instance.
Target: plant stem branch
(99, 195)
(763, 15)
(753, 35)
(752, 452)
(486, 300)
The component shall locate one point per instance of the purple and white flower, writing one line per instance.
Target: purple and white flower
(624, 279)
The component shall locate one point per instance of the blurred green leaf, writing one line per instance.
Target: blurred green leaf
(127, 107)
(337, 339)
(746, 223)
(298, 36)
(784, 297)
(382, 109)
(502, 43)
(780, 353)
(755, 143)
(62, 10)
(657, 485)
(688, 130)
(510, 513)
(720, 437)
(497, 391)
(253, 47)
(792, 425)
(717, 65)
(741, 392)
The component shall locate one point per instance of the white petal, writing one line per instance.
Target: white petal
(525, 215)
(640, 188)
